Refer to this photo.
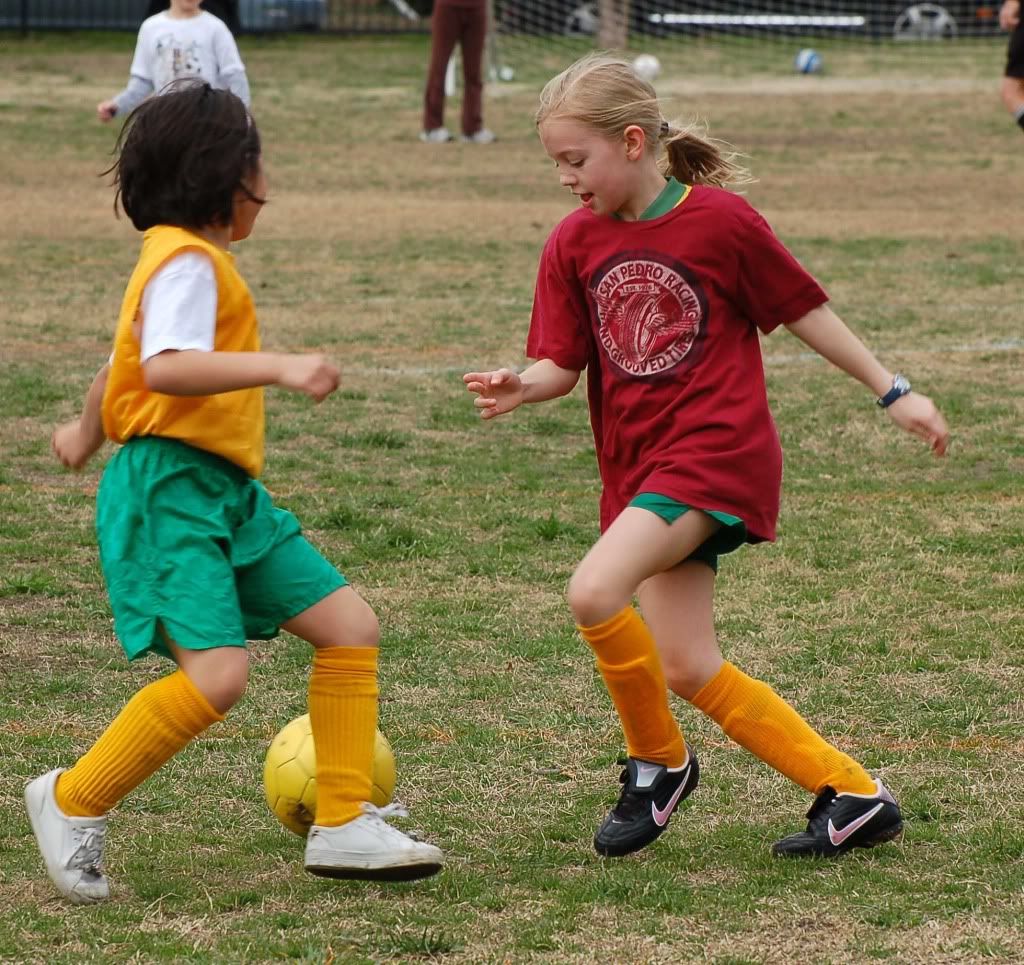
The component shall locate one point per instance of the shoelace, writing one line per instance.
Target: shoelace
(630, 803)
(820, 809)
(624, 773)
(88, 856)
(393, 810)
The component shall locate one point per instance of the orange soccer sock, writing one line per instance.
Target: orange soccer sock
(153, 726)
(629, 663)
(343, 714)
(757, 718)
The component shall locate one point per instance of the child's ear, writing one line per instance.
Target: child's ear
(636, 141)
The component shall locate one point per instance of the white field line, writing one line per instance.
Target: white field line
(419, 371)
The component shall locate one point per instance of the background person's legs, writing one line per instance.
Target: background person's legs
(473, 38)
(1012, 92)
(444, 33)
(1012, 87)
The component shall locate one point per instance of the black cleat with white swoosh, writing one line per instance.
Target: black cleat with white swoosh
(650, 793)
(837, 823)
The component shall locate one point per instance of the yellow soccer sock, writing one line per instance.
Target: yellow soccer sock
(153, 726)
(343, 714)
(757, 718)
(629, 663)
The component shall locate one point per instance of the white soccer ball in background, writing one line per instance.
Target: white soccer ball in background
(808, 61)
(647, 66)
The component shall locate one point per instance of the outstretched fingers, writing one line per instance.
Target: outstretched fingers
(483, 381)
(476, 381)
(484, 384)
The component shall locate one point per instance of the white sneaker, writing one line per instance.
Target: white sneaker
(483, 136)
(368, 847)
(439, 135)
(71, 847)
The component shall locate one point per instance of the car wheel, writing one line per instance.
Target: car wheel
(582, 21)
(924, 21)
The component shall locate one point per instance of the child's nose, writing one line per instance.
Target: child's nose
(567, 179)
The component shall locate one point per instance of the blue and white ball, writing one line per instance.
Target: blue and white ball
(808, 61)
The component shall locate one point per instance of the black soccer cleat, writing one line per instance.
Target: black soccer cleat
(650, 793)
(837, 823)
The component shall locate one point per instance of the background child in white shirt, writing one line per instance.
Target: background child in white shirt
(183, 41)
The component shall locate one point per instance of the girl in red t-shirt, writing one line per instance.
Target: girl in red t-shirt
(657, 286)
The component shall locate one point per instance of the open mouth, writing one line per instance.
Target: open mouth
(585, 198)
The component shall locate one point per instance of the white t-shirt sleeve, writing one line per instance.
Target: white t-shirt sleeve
(229, 61)
(142, 62)
(179, 306)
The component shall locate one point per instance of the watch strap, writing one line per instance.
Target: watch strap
(900, 388)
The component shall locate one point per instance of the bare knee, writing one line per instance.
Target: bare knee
(220, 675)
(687, 675)
(593, 598)
(341, 619)
(363, 627)
(684, 680)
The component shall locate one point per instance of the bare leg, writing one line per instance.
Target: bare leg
(678, 606)
(635, 547)
(1012, 92)
(341, 619)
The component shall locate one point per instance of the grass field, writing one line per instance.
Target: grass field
(888, 612)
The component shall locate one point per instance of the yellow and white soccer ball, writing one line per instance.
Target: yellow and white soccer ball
(289, 775)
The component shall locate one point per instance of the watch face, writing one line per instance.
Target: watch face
(900, 388)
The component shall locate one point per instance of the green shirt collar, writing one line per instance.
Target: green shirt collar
(670, 196)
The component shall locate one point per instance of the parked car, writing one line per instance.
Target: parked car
(240, 15)
(898, 19)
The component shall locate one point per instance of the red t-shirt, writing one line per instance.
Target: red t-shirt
(664, 315)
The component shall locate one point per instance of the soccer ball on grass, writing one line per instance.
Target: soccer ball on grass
(289, 775)
(808, 61)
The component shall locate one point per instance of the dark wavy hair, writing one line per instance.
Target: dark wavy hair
(183, 155)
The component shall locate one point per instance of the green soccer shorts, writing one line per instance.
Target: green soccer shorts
(191, 545)
(731, 535)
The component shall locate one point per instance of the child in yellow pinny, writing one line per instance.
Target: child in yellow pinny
(196, 557)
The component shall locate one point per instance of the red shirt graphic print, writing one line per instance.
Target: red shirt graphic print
(665, 315)
(650, 315)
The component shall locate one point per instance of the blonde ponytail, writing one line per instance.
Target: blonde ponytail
(694, 158)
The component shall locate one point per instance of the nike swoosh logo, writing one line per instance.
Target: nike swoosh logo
(662, 815)
(838, 837)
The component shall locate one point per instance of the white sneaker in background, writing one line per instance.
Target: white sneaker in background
(368, 847)
(439, 135)
(71, 847)
(483, 136)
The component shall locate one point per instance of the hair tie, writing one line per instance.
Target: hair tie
(664, 129)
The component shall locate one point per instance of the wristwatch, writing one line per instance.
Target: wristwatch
(900, 388)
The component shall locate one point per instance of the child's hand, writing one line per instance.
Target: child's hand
(499, 392)
(71, 446)
(311, 374)
(106, 110)
(918, 415)
(1009, 14)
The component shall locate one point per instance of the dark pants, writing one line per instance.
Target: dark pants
(1015, 52)
(465, 25)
